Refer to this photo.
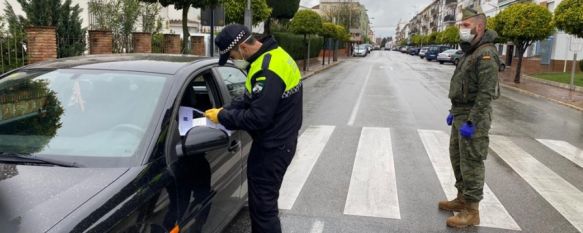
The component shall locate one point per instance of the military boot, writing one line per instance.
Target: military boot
(457, 204)
(468, 217)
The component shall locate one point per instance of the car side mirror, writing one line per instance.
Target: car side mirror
(202, 139)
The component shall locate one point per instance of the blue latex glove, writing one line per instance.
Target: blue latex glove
(467, 130)
(450, 119)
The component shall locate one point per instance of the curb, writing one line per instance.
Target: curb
(525, 92)
(308, 75)
(552, 83)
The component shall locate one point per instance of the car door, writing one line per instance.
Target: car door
(233, 80)
(211, 181)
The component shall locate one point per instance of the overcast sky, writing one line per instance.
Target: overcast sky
(386, 13)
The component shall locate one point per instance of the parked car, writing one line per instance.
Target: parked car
(106, 144)
(450, 55)
(422, 52)
(360, 51)
(432, 52)
(414, 51)
(404, 49)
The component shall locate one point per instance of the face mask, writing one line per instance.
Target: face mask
(466, 35)
(241, 63)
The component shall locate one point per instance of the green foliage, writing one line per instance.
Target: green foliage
(12, 40)
(118, 16)
(450, 35)
(581, 65)
(235, 11)
(306, 22)
(328, 30)
(341, 33)
(569, 17)
(63, 16)
(524, 22)
(295, 45)
(283, 9)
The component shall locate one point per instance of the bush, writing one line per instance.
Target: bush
(581, 65)
(294, 44)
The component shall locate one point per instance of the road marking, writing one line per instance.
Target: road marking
(492, 212)
(562, 195)
(373, 185)
(317, 227)
(357, 106)
(565, 149)
(310, 146)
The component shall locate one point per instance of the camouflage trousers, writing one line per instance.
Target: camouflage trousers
(467, 156)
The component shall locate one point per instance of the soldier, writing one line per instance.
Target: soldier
(472, 89)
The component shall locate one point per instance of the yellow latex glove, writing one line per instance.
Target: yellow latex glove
(213, 114)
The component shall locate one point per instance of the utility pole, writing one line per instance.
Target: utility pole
(248, 16)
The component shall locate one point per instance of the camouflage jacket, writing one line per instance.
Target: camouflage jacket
(474, 82)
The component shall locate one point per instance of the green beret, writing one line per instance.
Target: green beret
(470, 12)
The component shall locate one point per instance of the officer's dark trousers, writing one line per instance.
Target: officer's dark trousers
(265, 170)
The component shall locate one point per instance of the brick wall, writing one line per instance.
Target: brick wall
(142, 42)
(100, 42)
(42, 44)
(197, 45)
(172, 43)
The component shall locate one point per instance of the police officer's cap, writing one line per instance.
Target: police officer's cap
(231, 36)
(470, 12)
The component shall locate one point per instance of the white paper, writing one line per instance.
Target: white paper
(203, 121)
(184, 119)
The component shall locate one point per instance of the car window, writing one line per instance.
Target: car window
(74, 113)
(234, 80)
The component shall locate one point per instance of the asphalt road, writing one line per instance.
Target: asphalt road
(373, 155)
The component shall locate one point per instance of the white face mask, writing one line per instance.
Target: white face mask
(241, 63)
(466, 35)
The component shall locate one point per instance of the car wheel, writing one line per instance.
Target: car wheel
(455, 62)
(440, 62)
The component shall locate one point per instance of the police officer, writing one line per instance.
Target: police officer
(271, 111)
(472, 89)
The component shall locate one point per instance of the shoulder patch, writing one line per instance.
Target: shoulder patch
(486, 57)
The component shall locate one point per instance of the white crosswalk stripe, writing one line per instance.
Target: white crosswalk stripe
(310, 146)
(492, 212)
(565, 149)
(373, 185)
(372, 191)
(563, 196)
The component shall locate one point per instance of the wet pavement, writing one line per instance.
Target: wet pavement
(373, 156)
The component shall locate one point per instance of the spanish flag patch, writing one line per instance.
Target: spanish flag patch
(487, 57)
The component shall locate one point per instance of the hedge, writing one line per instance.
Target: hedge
(294, 44)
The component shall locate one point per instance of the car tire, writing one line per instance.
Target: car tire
(441, 62)
(455, 62)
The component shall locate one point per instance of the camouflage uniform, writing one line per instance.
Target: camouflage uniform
(472, 88)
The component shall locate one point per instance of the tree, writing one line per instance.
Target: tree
(64, 17)
(450, 36)
(523, 24)
(281, 10)
(185, 5)
(343, 14)
(569, 17)
(328, 32)
(235, 11)
(119, 16)
(306, 22)
(12, 41)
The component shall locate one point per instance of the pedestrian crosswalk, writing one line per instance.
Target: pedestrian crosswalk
(373, 187)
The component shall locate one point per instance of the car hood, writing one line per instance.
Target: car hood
(35, 198)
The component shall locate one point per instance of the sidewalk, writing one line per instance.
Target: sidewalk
(316, 66)
(533, 87)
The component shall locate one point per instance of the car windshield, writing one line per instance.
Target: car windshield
(77, 115)
(362, 47)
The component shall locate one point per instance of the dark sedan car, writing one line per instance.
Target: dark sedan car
(433, 51)
(118, 143)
